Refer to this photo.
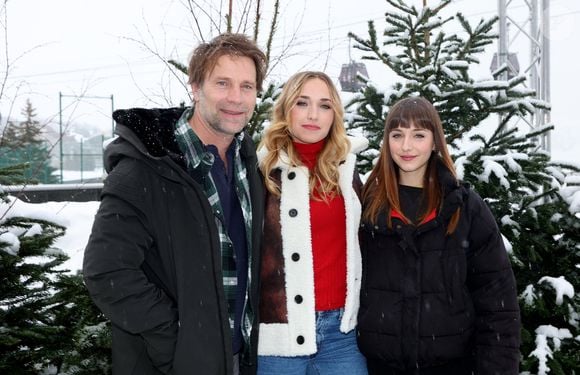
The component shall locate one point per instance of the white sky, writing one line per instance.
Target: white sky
(93, 47)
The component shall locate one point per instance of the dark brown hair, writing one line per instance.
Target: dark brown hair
(205, 56)
(381, 190)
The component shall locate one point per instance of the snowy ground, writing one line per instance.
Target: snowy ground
(77, 217)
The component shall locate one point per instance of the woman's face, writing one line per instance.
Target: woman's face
(311, 117)
(411, 149)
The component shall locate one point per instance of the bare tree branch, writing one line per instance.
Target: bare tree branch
(257, 20)
(206, 19)
(192, 6)
(229, 18)
(155, 52)
(330, 48)
(4, 16)
(9, 64)
(273, 27)
(195, 19)
(287, 46)
(245, 17)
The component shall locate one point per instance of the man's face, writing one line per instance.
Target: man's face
(226, 99)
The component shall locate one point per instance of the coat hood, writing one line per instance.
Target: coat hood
(145, 134)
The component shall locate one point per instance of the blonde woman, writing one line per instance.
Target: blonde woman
(311, 264)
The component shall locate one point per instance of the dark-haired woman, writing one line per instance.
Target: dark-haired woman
(438, 293)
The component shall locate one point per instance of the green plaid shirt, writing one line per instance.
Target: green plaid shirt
(199, 163)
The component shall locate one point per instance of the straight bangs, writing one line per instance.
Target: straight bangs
(409, 113)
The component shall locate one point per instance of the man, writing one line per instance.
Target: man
(173, 256)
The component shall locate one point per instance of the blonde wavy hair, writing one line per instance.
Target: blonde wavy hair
(277, 139)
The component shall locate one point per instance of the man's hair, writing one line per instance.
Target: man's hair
(204, 58)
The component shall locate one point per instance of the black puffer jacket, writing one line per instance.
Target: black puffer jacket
(429, 299)
(153, 261)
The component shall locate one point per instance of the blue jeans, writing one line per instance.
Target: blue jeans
(337, 354)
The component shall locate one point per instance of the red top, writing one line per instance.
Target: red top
(328, 230)
(432, 215)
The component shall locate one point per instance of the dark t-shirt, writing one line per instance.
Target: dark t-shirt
(410, 200)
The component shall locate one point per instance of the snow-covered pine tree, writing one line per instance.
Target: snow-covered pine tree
(262, 111)
(47, 320)
(85, 342)
(535, 201)
(28, 269)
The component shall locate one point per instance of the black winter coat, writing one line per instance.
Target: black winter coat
(153, 260)
(429, 299)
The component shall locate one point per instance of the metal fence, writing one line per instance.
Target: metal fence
(80, 160)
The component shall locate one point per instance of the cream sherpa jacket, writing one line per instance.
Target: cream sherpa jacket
(287, 306)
